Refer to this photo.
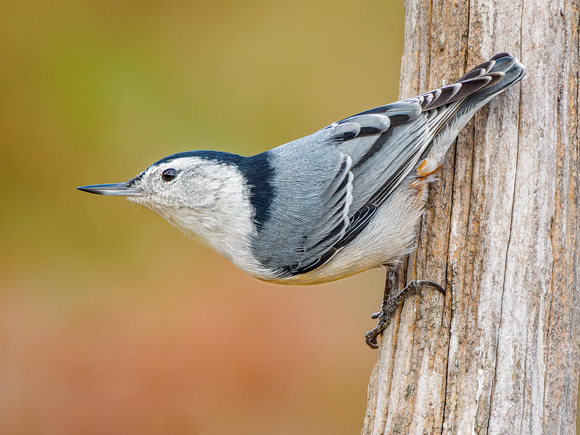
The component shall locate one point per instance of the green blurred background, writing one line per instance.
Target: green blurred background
(111, 320)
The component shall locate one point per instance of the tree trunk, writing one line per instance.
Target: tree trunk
(501, 353)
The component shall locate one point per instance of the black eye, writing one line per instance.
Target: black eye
(169, 174)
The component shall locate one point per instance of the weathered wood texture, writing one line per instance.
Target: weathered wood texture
(500, 353)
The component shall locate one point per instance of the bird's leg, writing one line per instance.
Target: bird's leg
(390, 304)
(390, 286)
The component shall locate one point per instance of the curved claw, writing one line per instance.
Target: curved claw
(372, 335)
(432, 284)
(371, 338)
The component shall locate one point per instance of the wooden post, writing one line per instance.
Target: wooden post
(500, 354)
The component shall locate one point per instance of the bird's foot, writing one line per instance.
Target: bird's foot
(389, 307)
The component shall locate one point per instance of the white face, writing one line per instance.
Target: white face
(186, 182)
(205, 199)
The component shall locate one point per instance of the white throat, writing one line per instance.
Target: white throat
(223, 220)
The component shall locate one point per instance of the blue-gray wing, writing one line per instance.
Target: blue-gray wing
(328, 186)
(310, 205)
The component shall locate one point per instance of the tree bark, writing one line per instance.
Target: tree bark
(500, 353)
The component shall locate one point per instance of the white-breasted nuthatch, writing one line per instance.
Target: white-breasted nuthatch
(343, 200)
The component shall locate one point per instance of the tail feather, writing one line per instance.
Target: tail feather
(479, 85)
(512, 72)
(483, 81)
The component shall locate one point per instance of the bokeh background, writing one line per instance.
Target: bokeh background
(112, 321)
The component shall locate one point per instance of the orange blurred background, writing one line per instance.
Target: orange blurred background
(111, 320)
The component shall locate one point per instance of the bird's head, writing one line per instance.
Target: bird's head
(199, 191)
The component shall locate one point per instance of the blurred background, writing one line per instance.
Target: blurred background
(111, 320)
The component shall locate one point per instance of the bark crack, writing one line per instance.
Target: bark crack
(553, 244)
(509, 241)
(494, 380)
(449, 274)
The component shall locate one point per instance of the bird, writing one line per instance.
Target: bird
(343, 200)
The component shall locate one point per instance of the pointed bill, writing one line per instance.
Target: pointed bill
(114, 189)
